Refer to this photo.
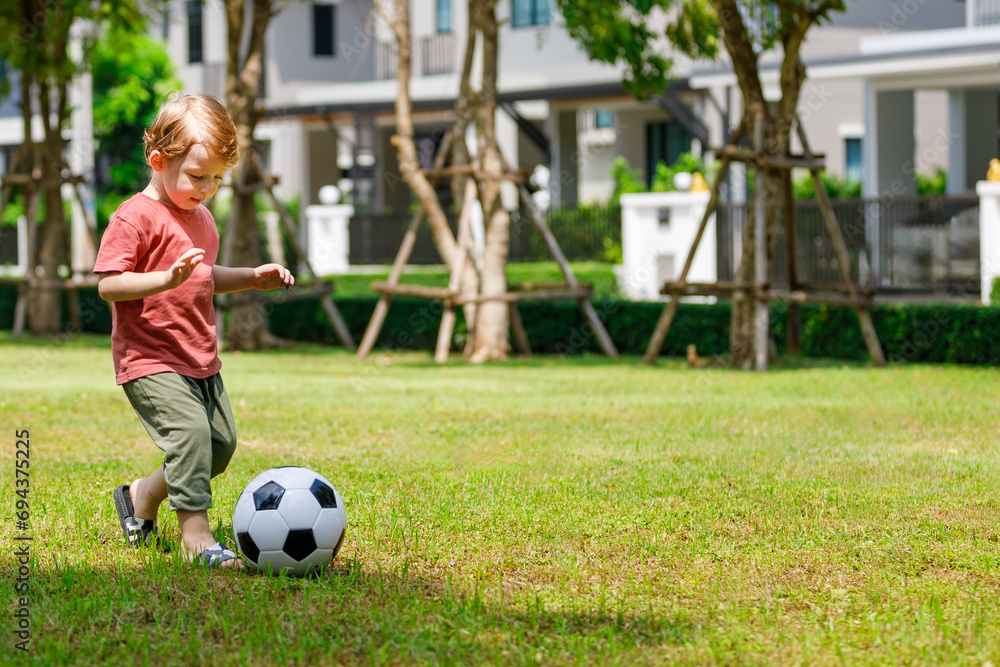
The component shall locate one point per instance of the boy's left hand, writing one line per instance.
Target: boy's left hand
(272, 276)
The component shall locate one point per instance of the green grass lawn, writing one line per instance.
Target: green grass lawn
(544, 511)
(600, 275)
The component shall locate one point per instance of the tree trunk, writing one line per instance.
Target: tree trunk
(397, 15)
(778, 122)
(777, 137)
(492, 331)
(45, 299)
(44, 161)
(248, 324)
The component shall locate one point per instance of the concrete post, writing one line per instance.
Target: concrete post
(989, 236)
(329, 238)
(658, 229)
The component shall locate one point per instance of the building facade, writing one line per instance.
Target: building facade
(892, 86)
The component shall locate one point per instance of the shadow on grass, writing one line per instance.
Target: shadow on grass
(143, 608)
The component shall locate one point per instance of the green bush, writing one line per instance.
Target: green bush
(934, 182)
(995, 292)
(836, 187)
(663, 177)
(628, 180)
(12, 211)
(588, 232)
(916, 333)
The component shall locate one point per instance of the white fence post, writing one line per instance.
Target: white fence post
(328, 238)
(989, 235)
(658, 229)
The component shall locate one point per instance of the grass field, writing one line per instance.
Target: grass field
(599, 275)
(544, 511)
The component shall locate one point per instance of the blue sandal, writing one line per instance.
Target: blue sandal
(215, 555)
(138, 532)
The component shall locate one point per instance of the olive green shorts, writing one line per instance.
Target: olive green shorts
(191, 421)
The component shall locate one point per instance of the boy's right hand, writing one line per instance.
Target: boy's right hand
(184, 266)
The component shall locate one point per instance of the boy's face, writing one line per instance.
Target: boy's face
(190, 180)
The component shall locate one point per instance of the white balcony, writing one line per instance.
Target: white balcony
(982, 12)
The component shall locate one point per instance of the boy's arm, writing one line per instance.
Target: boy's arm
(128, 285)
(264, 277)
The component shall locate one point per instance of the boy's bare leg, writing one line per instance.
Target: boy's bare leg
(196, 535)
(148, 493)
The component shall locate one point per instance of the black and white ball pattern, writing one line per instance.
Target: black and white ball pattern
(289, 520)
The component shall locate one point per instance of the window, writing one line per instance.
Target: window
(324, 22)
(444, 16)
(195, 22)
(604, 119)
(665, 142)
(530, 13)
(853, 160)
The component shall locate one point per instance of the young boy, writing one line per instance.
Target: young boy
(157, 264)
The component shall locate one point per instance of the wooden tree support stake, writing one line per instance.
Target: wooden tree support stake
(603, 339)
(448, 317)
(844, 294)
(864, 315)
(451, 297)
(385, 298)
(291, 230)
(762, 309)
(667, 315)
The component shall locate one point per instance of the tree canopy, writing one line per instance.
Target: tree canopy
(630, 32)
(132, 74)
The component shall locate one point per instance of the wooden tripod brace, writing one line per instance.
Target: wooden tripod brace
(319, 290)
(759, 289)
(450, 295)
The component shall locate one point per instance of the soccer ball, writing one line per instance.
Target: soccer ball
(289, 520)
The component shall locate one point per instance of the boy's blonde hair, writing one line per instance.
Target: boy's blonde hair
(189, 120)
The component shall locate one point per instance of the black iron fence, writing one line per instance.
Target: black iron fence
(917, 245)
(8, 244)
(584, 234)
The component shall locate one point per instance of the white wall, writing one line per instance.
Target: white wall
(658, 230)
(989, 236)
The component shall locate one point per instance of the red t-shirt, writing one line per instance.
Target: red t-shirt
(173, 330)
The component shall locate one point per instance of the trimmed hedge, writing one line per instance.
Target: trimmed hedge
(925, 333)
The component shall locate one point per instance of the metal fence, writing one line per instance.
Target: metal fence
(376, 238)
(585, 233)
(8, 244)
(927, 245)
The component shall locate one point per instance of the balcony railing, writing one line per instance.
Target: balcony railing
(213, 80)
(385, 61)
(438, 54)
(982, 12)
